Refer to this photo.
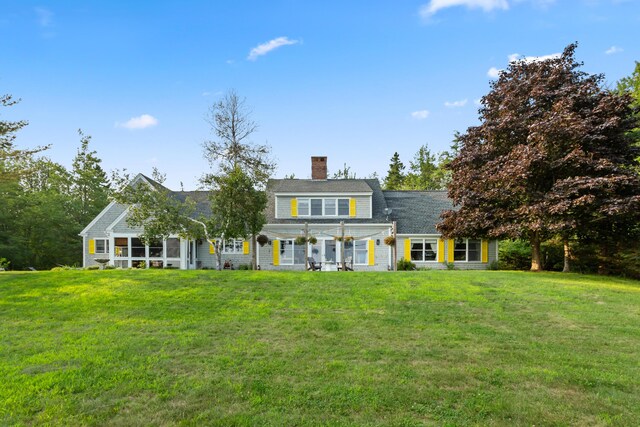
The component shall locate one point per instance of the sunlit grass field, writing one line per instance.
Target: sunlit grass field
(266, 348)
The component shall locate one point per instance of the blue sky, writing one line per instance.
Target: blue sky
(352, 80)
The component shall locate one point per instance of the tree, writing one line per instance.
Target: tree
(551, 156)
(631, 85)
(231, 123)
(8, 129)
(344, 173)
(238, 208)
(90, 184)
(395, 176)
(240, 163)
(424, 172)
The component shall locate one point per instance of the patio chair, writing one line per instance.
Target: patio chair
(313, 265)
(348, 264)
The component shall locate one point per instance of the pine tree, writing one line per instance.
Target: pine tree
(395, 176)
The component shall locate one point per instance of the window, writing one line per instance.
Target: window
(316, 207)
(358, 251)
(424, 249)
(232, 246)
(173, 248)
(156, 249)
(473, 250)
(137, 248)
(323, 207)
(122, 247)
(102, 246)
(467, 250)
(290, 253)
(343, 207)
(329, 207)
(303, 207)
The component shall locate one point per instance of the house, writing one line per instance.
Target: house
(348, 219)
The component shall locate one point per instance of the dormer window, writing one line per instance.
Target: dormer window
(323, 207)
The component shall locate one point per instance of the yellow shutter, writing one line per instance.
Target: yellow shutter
(451, 244)
(92, 246)
(485, 250)
(440, 250)
(276, 252)
(407, 249)
(352, 207)
(212, 250)
(372, 258)
(245, 247)
(294, 208)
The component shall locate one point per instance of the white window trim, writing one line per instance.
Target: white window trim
(106, 246)
(293, 252)
(424, 241)
(226, 251)
(353, 251)
(466, 250)
(324, 214)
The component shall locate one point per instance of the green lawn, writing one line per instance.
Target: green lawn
(265, 348)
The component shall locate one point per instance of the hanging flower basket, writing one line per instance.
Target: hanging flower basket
(262, 239)
(389, 240)
(348, 238)
(312, 240)
(300, 240)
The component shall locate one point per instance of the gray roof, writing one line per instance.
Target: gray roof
(201, 198)
(417, 212)
(320, 185)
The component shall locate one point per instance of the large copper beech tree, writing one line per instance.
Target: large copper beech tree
(553, 155)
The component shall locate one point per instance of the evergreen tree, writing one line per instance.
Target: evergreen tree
(395, 176)
(90, 184)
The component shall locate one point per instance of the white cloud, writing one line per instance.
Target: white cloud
(517, 57)
(493, 72)
(431, 8)
(456, 104)
(613, 49)
(264, 48)
(141, 122)
(45, 16)
(420, 115)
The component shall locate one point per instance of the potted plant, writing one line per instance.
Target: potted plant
(262, 239)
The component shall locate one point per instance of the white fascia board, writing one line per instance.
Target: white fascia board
(418, 235)
(321, 194)
(96, 219)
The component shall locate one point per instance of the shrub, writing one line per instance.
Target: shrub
(449, 265)
(514, 255)
(93, 267)
(4, 263)
(109, 267)
(405, 265)
(244, 267)
(493, 265)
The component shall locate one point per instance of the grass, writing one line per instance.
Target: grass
(267, 348)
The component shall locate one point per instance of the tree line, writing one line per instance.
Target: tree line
(45, 205)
